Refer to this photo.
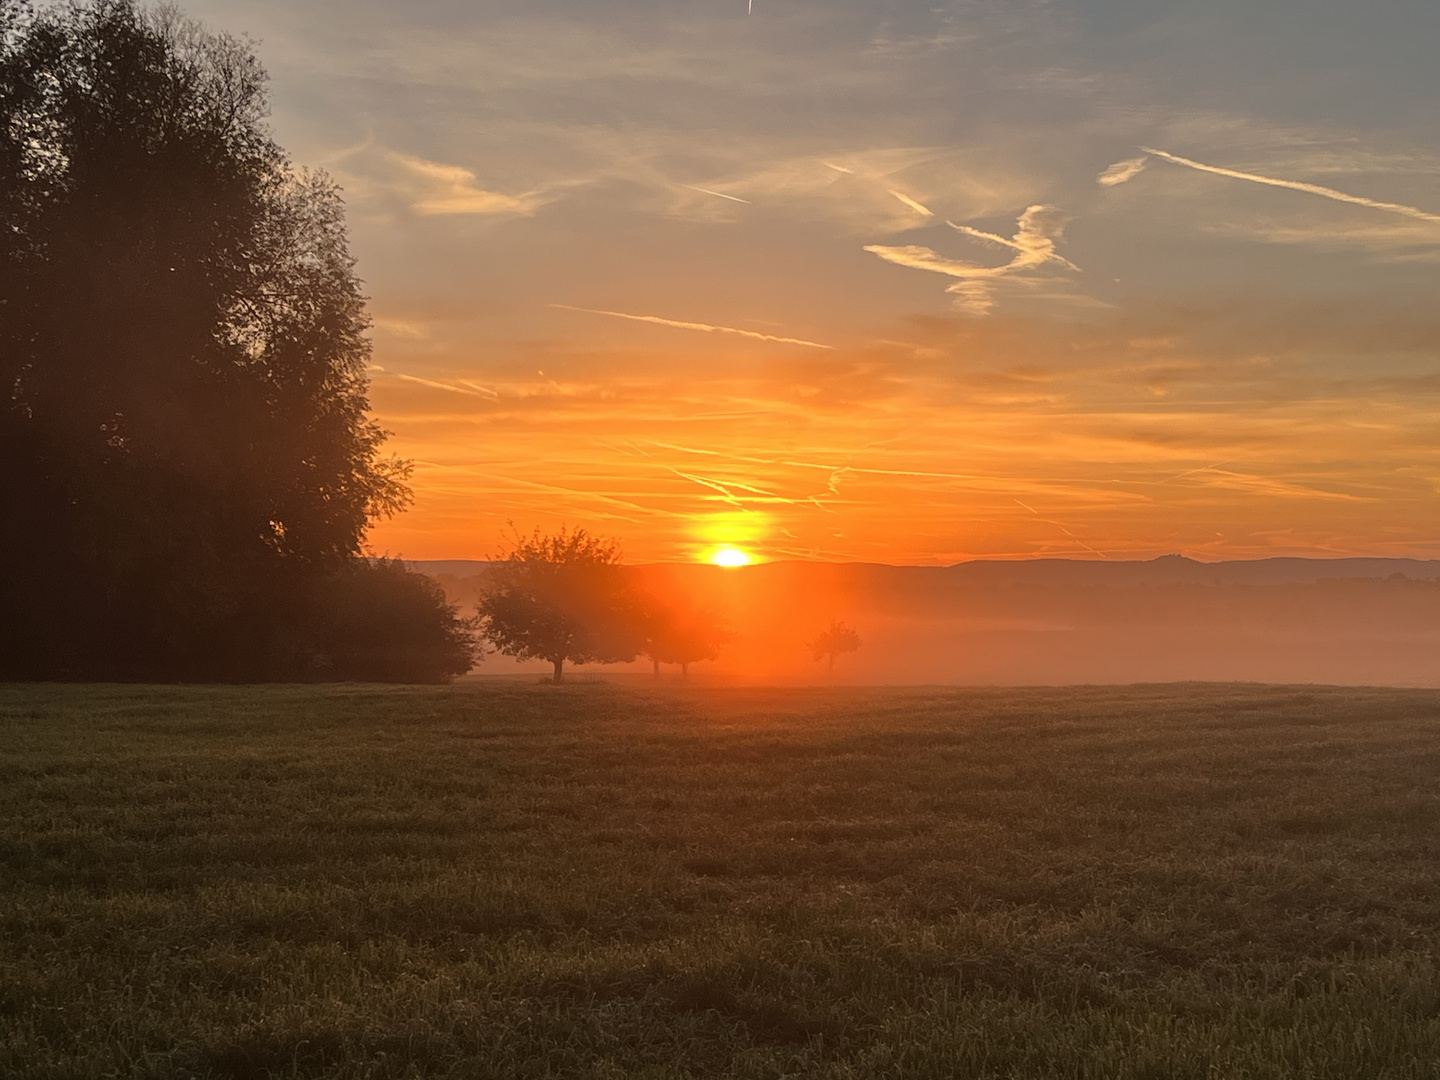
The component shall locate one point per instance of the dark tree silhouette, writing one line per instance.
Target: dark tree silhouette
(184, 425)
(376, 621)
(835, 639)
(682, 635)
(562, 597)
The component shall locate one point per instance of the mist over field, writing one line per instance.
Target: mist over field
(1055, 621)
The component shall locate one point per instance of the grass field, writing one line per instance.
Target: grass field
(605, 880)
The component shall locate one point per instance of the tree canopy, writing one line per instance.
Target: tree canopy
(184, 425)
(562, 597)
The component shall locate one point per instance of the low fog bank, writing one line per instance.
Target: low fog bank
(1055, 621)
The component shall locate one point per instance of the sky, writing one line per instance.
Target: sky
(889, 281)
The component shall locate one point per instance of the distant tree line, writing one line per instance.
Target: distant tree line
(189, 463)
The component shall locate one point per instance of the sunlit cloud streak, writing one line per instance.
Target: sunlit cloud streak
(1062, 528)
(727, 489)
(1299, 185)
(1269, 487)
(718, 194)
(919, 208)
(451, 189)
(485, 391)
(469, 389)
(1122, 171)
(1034, 244)
(704, 327)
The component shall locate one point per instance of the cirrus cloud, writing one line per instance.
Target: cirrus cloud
(1034, 244)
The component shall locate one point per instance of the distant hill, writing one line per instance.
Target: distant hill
(1178, 570)
(451, 567)
(1167, 569)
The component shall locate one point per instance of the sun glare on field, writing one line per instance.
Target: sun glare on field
(725, 555)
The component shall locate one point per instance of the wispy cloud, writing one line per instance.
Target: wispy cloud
(429, 188)
(1390, 239)
(1269, 487)
(485, 391)
(451, 189)
(718, 194)
(1122, 171)
(1298, 185)
(1062, 528)
(469, 389)
(727, 490)
(1033, 243)
(708, 328)
(919, 208)
(402, 328)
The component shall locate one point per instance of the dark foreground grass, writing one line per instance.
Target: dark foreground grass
(605, 881)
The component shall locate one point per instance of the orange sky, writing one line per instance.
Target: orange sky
(996, 438)
(913, 281)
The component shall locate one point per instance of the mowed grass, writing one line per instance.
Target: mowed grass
(606, 880)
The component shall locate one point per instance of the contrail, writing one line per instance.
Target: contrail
(1297, 185)
(706, 327)
(476, 392)
(982, 235)
(482, 389)
(1033, 244)
(1062, 528)
(719, 194)
(911, 203)
(1028, 247)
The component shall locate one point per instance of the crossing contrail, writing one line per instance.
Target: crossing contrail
(718, 194)
(919, 208)
(1299, 185)
(705, 327)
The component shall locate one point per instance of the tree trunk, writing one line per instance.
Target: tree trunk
(657, 669)
(684, 670)
(559, 670)
(832, 666)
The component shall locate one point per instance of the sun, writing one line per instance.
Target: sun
(726, 555)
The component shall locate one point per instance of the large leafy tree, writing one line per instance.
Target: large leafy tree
(562, 597)
(184, 435)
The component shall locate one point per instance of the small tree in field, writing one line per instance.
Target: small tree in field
(561, 597)
(675, 635)
(837, 638)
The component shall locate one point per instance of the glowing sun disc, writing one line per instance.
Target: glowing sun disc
(729, 556)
